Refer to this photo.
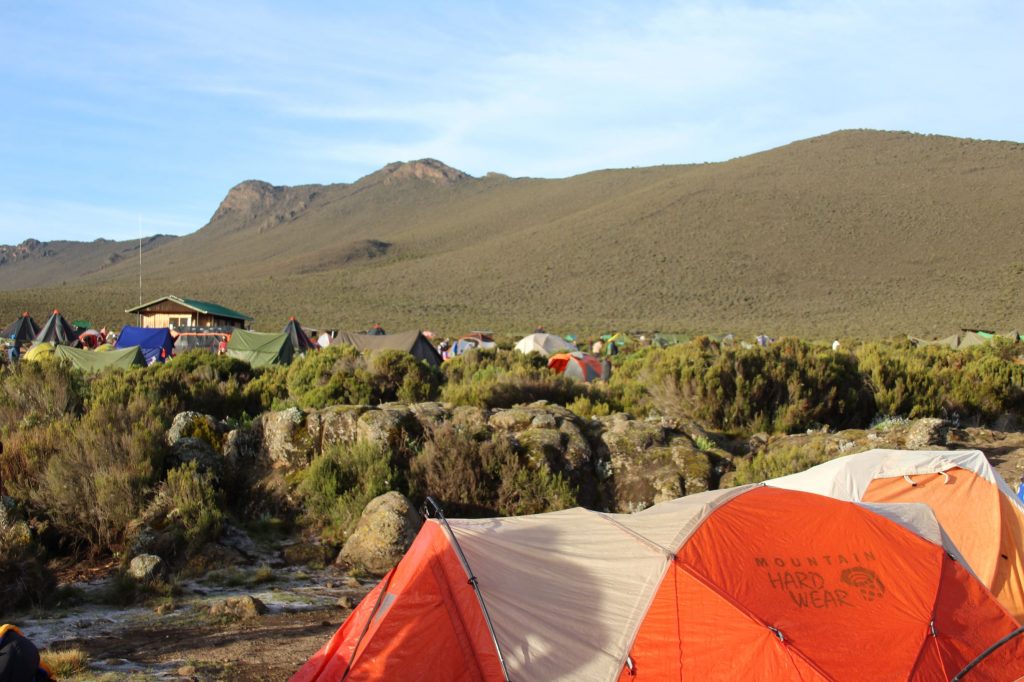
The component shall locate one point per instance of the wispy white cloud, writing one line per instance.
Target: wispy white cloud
(198, 96)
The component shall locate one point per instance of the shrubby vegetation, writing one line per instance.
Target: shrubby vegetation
(86, 462)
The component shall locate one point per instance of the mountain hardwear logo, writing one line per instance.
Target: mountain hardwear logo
(865, 580)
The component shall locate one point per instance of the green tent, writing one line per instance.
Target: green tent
(260, 349)
(91, 361)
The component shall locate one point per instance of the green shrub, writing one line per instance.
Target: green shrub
(978, 383)
(268, 390)
(97, 482)
(786, 387)
(483, 478)
(339, 484)
(779, 462)
(397, 375)
(193, 497)
(496, 378)
(586, 408)
(337, 375)
(35, 393)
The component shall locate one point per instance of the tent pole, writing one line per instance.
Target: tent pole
(984, 654)
(431, 502)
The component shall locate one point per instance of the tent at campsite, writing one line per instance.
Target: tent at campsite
(750, 583)
(545, 344)
(301, 343)
(39, 352)
(156, 343)
(58, 330)
(472, 340)
(412, 342)
(975, 506)
(260, 349)
(22, 330)
(90, 361)
(579, 366)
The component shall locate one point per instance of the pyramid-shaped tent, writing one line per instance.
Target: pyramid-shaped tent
(22, 330)
(58, 330)
(301, 343)
(741, 584)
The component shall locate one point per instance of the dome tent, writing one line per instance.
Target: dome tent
(744, 583)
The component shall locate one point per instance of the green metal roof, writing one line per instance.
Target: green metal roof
(199, 306)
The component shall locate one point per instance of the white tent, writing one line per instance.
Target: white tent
(545, 344)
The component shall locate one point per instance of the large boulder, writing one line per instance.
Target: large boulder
(385, 531)
(196, 450)
(339, 424)
(287, 442)
(512, 419)
(146, 567)
(190, 424)
(472, 420)
(429, 415)
(925, 434)
(387, 426)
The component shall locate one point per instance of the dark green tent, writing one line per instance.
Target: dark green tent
(301, 343)
(260, 349)
(58, 330)
(22, 330)
(412, 342)
(90, 361)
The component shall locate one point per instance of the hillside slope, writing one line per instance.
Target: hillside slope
(856, 232)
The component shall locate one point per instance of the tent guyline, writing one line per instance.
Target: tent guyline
(432, 508)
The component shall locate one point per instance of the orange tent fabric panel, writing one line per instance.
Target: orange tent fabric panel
(962, 502)
(1008, 582)
(428, 625)
(833, 579)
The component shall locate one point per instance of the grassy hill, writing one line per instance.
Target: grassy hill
(852, 233)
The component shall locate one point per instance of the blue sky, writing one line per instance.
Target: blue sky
(119, 113)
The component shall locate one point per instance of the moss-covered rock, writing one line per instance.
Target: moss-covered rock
(385, 531)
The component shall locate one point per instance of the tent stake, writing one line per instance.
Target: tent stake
(431, 502)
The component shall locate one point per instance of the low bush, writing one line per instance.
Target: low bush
(193, 497)
(339, 483)
(786, 387)
(483, 478)
(779, 462)
(495, 378)
(97, 482)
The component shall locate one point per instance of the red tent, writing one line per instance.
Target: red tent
(752, 583)
(581, 366)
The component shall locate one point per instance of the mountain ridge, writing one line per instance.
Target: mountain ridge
(857, 231)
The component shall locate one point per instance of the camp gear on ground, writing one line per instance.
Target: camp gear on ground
(19, 658)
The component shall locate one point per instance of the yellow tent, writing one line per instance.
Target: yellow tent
(39, 352)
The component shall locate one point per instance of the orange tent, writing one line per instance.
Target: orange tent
(749, 583)
(975, 506)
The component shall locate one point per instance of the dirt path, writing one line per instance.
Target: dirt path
(180, 639)
(269, 648)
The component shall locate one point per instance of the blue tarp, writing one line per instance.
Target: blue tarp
(156, 343)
